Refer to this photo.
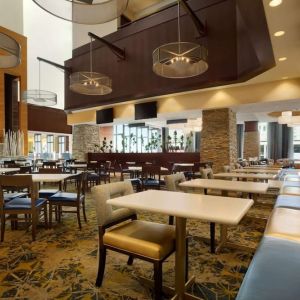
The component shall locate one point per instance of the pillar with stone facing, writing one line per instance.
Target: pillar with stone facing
(251, 140)
(85, 137)
(218, 138)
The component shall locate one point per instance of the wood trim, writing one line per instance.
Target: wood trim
(21, 72)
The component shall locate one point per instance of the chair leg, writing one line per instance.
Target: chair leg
(78, 217)
(187, 260)
(157, 280)
(50, 215)
(83, 210)
(171, 220)
(46, 216)
(130, 260)
(101, 267)
(212, 237)
(2, 226)
(34, 221)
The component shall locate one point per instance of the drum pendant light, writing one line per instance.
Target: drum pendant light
(39, 97)
(180, 59)
(84, 11)
(90, 83)
(12, 52)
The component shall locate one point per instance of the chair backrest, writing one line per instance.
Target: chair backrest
(104, 192)
(173, 180)
(50, 170)
(150, 171)
(227, 169)
(207, 173)
(49, 164)
(25, 169)
(14, 182)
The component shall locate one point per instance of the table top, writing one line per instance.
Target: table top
(137, 168)
(184, 164)
(245, 175)
(48, 177)
(270, 167)
(225, 185)
(257, 171)
(224, 210)
(8, 170)
(79, 166)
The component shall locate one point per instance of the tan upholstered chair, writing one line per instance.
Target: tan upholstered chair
(172, 182)
(227, 169)
(207, 173)
(145, 240)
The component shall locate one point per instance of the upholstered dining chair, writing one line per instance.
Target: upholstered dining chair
(207, 173)
(77, 200)
(30, 207)
(172, 182)
(148, 241)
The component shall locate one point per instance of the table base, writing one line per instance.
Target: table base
(168, 291)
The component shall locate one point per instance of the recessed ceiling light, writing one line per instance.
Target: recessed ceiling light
(279, 33)
(274, 3)
(282, 58)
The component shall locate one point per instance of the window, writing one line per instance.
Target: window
(136, 139)
(61, 144)
(263, 136)
(296, 142)
(37, 143)
(50, 143)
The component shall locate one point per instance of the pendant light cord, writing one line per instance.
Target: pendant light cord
(39, 77)
(178, 22)
(91, 55)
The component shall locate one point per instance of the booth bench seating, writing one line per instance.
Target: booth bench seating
(275, 269)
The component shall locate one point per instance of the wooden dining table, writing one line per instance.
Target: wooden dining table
(257, 171)
(245, 176)
(222, 210)
(9, 170)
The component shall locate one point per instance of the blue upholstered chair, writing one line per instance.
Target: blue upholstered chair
(76, 200)
(30, 207)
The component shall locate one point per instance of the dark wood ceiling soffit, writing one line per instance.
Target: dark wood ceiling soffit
(237, 39)
(47, 119)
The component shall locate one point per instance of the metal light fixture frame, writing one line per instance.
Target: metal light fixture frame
(12, 52)
(89, 82)
(39, 97)
(181, 59)
(88, 12)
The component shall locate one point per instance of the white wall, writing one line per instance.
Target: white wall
(80, 32)
(11, 15)
(51, 38)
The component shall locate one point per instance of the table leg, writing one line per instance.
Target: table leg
(180, 258)
(212, 237)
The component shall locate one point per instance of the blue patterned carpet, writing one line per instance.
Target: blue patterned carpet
(62, 263)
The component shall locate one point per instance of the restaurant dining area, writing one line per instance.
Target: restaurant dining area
(149, 149)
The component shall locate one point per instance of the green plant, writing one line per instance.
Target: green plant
(110, 146)
(181, 141)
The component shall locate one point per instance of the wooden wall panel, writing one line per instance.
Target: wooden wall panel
(47, 119)
(238, 49)
(21, 72)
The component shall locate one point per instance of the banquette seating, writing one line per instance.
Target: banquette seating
(275, 269)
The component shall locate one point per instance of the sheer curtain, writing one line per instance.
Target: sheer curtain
(240, 140)
(280, 141)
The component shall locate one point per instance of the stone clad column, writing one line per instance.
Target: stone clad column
(84, 139)
(218, 138)
(251, 140)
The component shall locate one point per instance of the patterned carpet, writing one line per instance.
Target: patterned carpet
(62, 263)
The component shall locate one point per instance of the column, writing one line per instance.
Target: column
(85, 137)
(251, 139)
(218, 138)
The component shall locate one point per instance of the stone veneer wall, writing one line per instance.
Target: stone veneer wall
(84, 138)
(251, 144)
(219, 138)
